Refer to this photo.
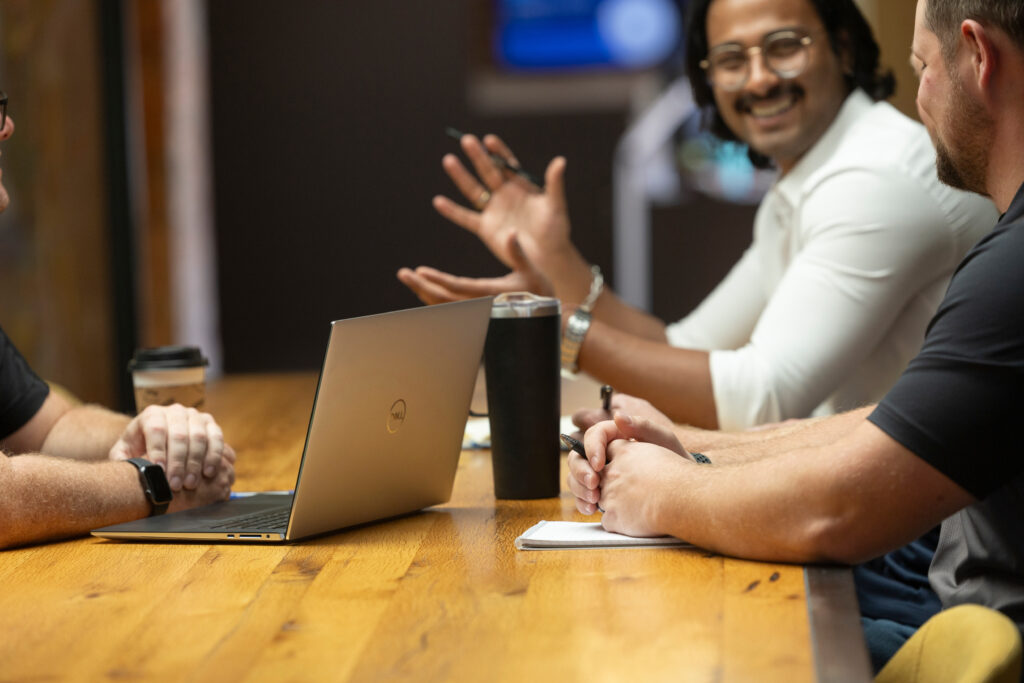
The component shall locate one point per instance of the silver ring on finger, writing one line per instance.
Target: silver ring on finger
(482, 200)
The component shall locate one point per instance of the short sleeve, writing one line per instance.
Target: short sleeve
(22, 393)
(958, 405)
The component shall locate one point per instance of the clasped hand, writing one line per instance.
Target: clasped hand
(188, 444)
(629, 474)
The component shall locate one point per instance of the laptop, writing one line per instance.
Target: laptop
(383, 439)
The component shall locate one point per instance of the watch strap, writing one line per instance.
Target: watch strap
(575, 330)
(596, 287)
(147, 470)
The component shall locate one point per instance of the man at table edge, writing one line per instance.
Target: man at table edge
(940, 446)
(66, 469)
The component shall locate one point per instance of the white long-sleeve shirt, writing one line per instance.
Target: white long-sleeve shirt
(852, 252)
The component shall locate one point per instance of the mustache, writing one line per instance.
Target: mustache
(748, 100)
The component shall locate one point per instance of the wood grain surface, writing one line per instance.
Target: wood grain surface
(441, 595)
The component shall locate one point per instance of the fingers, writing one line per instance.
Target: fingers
(489, 173)
(468, 185)
(496, 145)
(584, 483)
(131, 444)
(596, 440)
(464, 287)
(428, 292)
(152, 425)
(518, 260)
(177, 444)
(642, 429)
(460, 215)
(214, 446)
(554, 182)
(585, 418)
(189, 444)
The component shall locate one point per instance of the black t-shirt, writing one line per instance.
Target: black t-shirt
(21, 391)
(959, 404)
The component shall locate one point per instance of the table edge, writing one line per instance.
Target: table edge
(837, 639)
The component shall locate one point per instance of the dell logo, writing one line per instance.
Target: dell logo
(396, 416)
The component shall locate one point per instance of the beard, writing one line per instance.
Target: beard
(962, 162)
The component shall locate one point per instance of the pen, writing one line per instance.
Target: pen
(500, 161)
(606, 397)
(574, 445)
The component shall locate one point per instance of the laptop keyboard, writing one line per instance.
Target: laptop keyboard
(276, 518)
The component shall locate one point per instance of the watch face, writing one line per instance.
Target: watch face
(157, 481)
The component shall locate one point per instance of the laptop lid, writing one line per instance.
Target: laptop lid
(385, 431)
(389, 415)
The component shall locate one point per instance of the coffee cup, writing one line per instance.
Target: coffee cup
(168, 374)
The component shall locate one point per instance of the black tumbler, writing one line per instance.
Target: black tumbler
(522, 369)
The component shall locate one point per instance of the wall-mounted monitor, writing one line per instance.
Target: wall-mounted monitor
(567, 35)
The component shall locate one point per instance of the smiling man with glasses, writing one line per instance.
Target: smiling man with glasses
(852, 246)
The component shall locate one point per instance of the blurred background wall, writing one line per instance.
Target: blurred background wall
(236, 174)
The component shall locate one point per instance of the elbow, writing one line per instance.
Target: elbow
(8, 527)
(839, 539)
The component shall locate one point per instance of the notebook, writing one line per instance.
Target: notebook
(545, 535)
(383, 439)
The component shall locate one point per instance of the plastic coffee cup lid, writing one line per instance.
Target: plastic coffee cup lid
(167, 358)
(524, 305)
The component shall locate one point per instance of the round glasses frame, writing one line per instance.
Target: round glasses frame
(784, 53)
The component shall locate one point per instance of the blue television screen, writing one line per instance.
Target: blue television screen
(580, 34)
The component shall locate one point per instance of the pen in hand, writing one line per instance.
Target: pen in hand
(577, 445)
(500, 161)
(574, 445)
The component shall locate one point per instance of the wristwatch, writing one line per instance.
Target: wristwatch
(154, 483)
(579, 322)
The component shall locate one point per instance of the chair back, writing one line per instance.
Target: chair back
(966, 643)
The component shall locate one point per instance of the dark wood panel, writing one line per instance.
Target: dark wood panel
(55, 291)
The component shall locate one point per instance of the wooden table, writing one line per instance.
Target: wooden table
(436, 596)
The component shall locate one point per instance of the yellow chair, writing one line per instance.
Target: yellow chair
(965, 644)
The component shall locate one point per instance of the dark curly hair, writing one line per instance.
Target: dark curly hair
(847, 30)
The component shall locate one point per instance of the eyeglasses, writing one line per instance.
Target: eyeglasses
(3, 110)
(784, 53)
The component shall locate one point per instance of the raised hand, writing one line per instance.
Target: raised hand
(506, 205)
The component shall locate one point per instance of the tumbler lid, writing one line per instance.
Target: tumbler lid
(524, 305)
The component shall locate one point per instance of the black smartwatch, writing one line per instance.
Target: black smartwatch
(154, 483)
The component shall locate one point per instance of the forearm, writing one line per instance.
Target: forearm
(676, 381)
(571, 277)
(755, 444)
(821, 504)
(43, 498)
(613, 311)
(85, 433)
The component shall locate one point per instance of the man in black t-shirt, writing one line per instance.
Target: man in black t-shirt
(67, 469)
(944, 444)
